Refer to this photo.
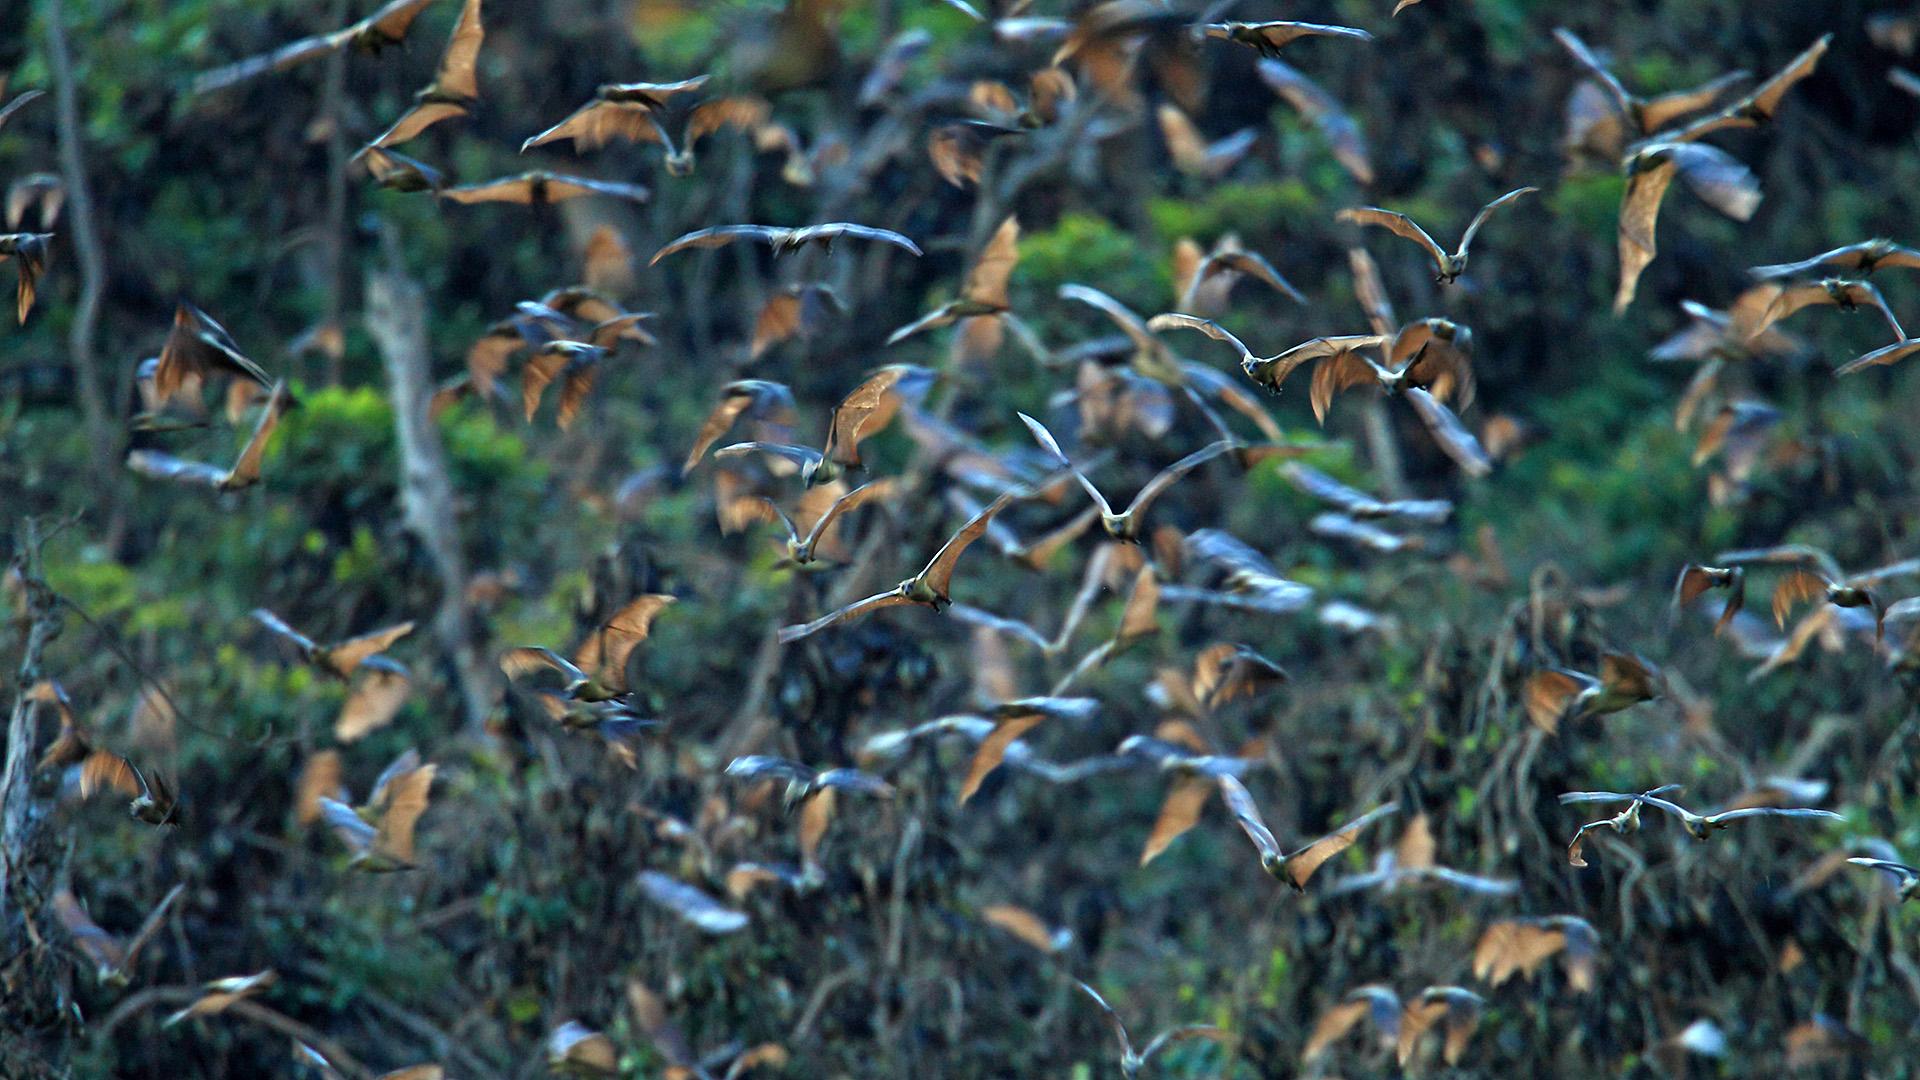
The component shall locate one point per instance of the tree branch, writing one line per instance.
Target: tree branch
(397, 319)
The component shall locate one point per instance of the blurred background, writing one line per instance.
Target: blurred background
(524, 912)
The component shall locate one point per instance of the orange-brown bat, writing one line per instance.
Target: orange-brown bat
(1011, 720)
(1028, 927)
(928, 588)
(783, 241)
(1192, 153)
(1710, 173)
(984, 293)
(1125, 525)
(454, 90)
(1204, 281)
(380, 834)
(804, 783)
(1139, 620)
(379, 685)
(152, 801)
(1864, 257)
(598, 670)
(636, 111)
(222, 993)
(1757, 108)
(28, 251)
(958, 149)
(1297, 867)
(540, 187)
(1131, 1060)
(1554, 695)
(1695, 580)
(800, 550)
(867, 408)
(74, 743)
(396, 171)
(1048, 89)
(1616, 117)
(1812, 573)
(1752, 317)
(698, 909)
(386, 27)
(341, 658)
(112, 959)
(1906, 879)
(577, 1050)
(1191, 767)
(1521, 946)
(45, 191)
(1451, 264)
(1324, 112)
(1268, 38)
(245, 471)
(575, 363)
(767, 405)
(795, 311)
(197, 348)
(1459, 1007)
(1375, 1003)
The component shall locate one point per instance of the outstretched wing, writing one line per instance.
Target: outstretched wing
(1301, 864)
(1214, 330)
(605, 652)
(890, 598)
(717, 236)
(1479, 219)
(347, 655)
(1240, 802)
(1170, 475)
(1052, 446)
(1639, 211)
(520, 662)
(1113, 1018)
(1449, 433)
(938, 574)
(1398, 224)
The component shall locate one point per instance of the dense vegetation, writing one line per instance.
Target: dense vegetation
(525, 910)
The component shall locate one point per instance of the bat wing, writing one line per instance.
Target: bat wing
(598, 123)
(373, 701)
(347, 655)
(1479, 219)
(456, 75)
(1171, 475)
(1179, 812)
(416, 120)
(607, 651)
(1340, 368)
(1399, 225)
(1639, 211)
(1301, 864)
(993, 749)
(987, 281)
(1450, 434)
(717, 236)
(938, 573)
(891, 598)
(1240, 803)
(406, 801)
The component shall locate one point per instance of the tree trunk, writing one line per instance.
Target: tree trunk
(102, 438)
(29, 1004)
(397, 319)
(334, 247)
